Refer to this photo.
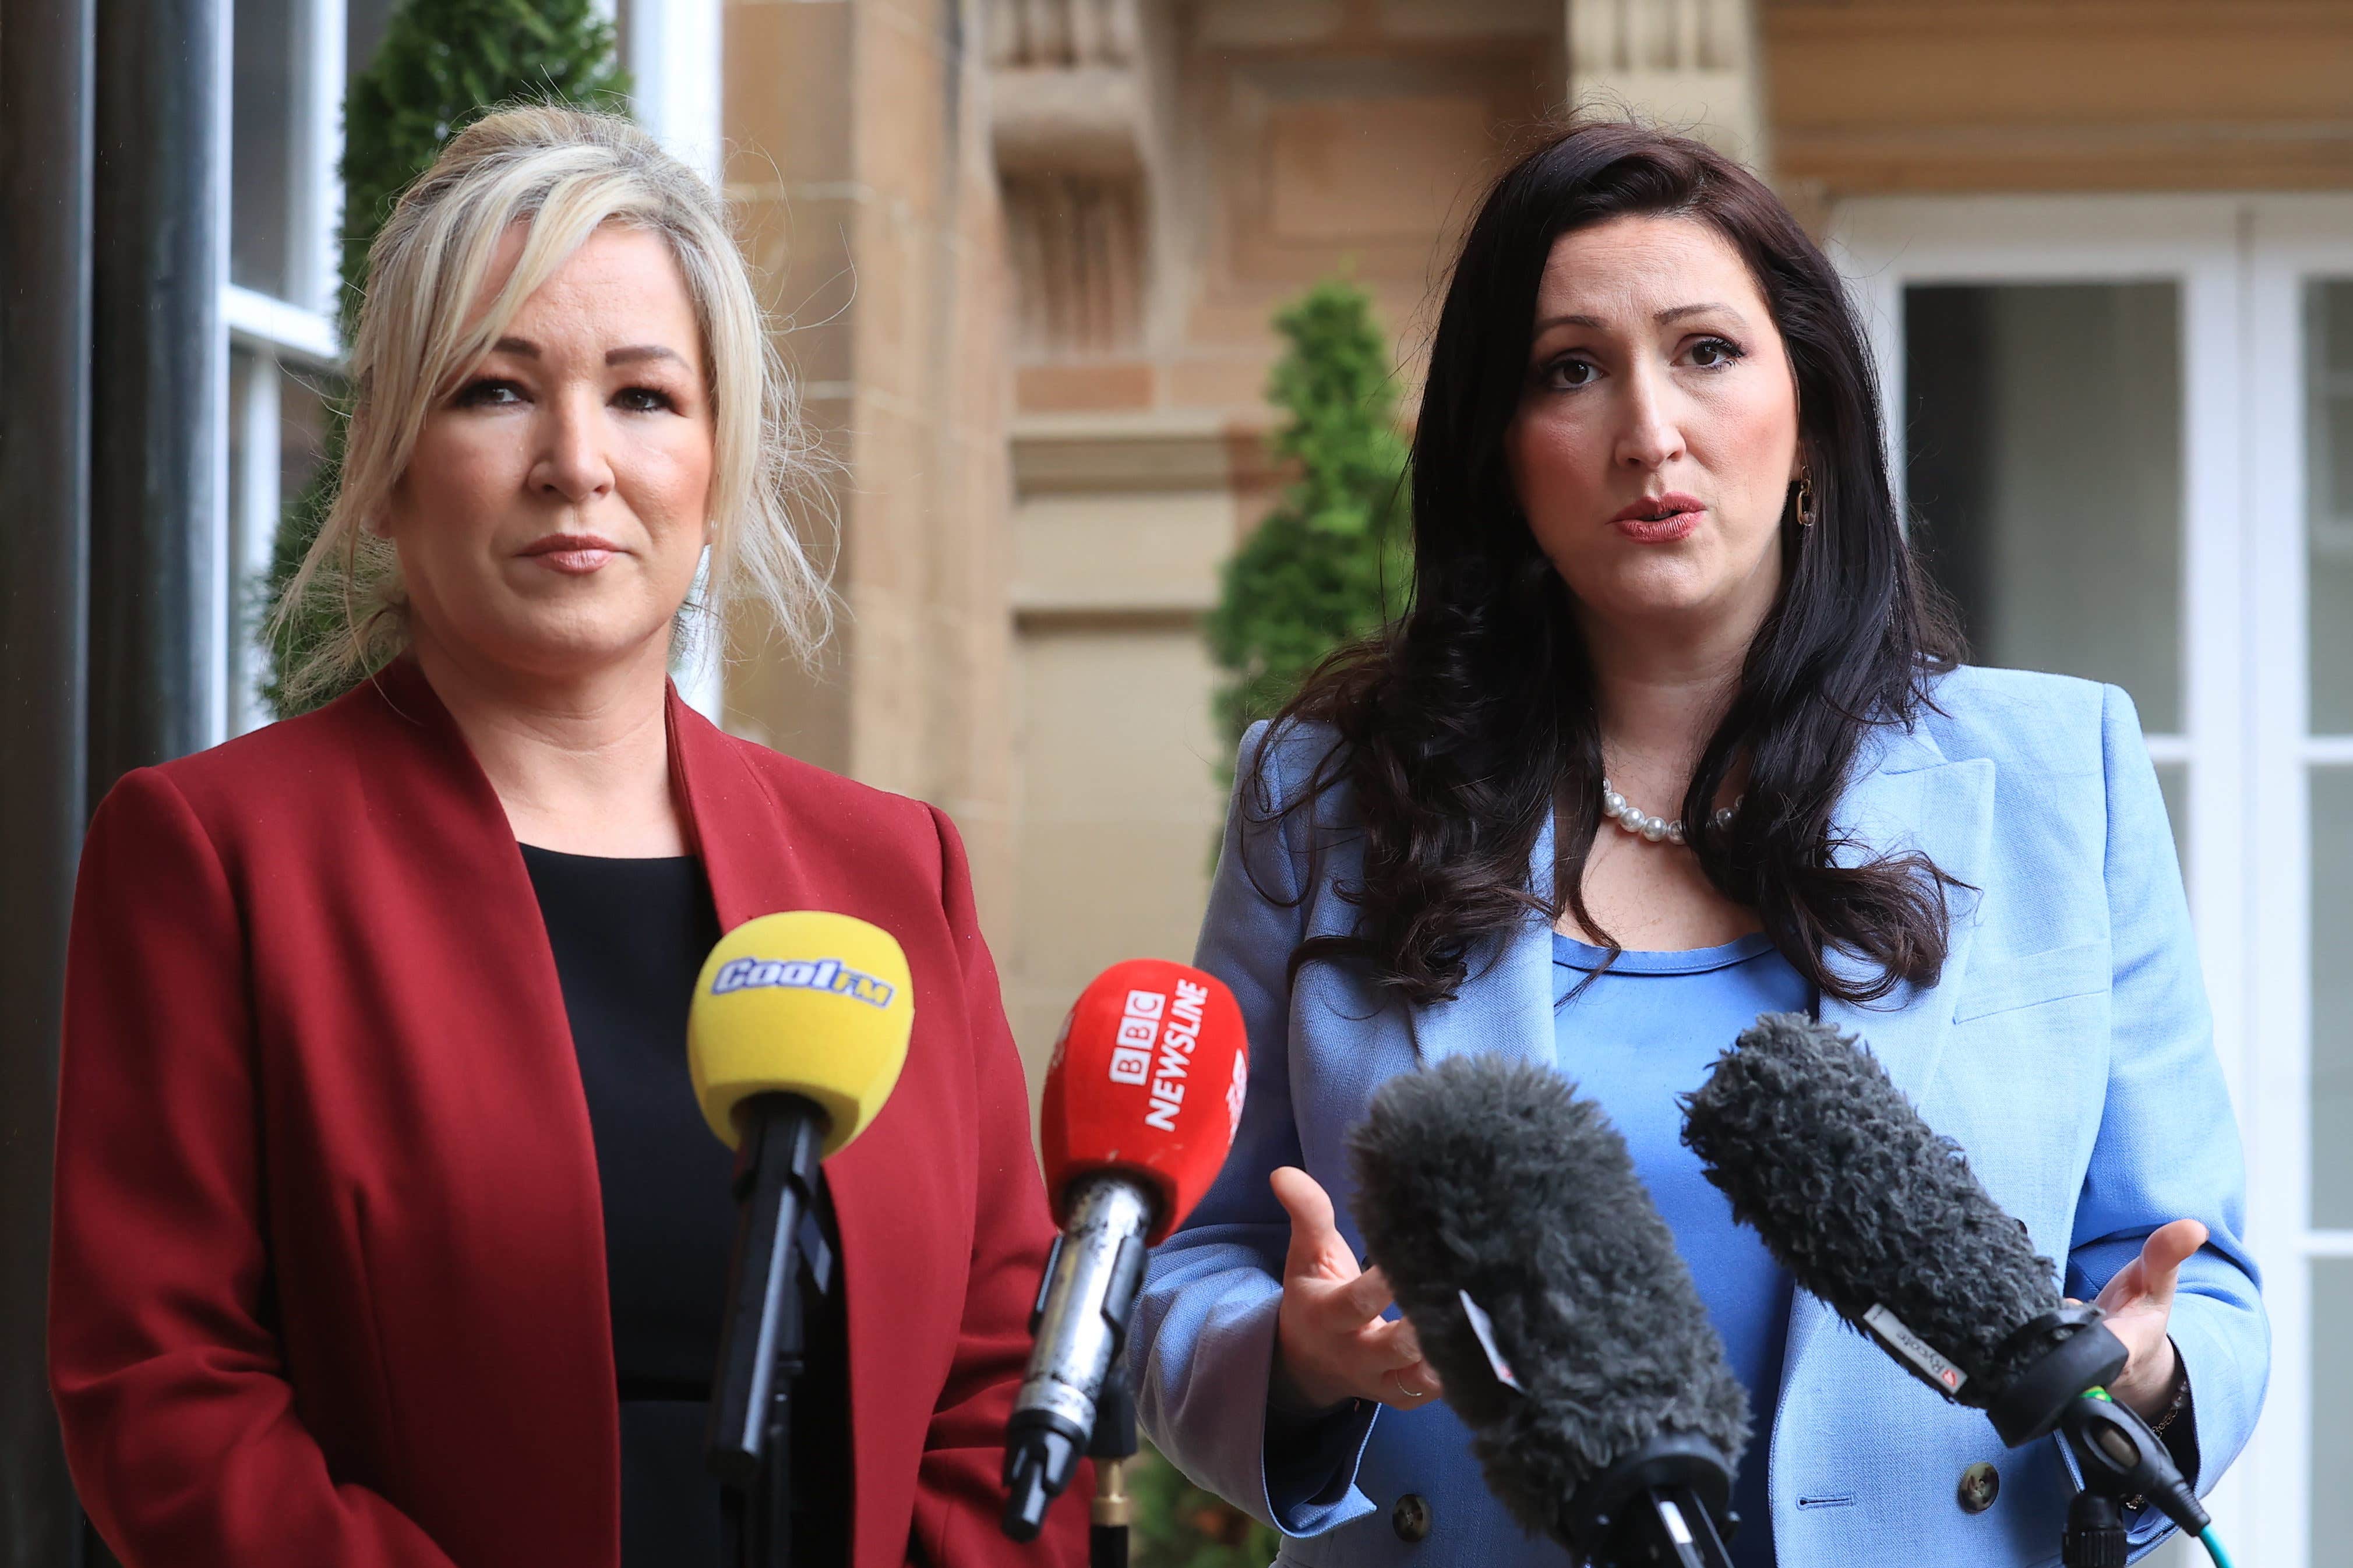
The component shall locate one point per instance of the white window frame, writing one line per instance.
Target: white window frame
(673, 51)
(2199, 244)
(2290, 240)
(297, 333)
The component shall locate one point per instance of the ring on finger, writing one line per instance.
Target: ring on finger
(1397, 1375)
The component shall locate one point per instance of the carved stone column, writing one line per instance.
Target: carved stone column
(1692, 66)
(1071, 128)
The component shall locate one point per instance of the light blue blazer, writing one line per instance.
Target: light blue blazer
(2067, 1046)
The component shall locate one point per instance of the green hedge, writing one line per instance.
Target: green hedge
(1330, 562)
(442, 64)
(1178, 1525)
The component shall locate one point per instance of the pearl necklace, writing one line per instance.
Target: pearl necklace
(1654, 829)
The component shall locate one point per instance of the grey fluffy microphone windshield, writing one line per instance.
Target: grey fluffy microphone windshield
(1879, 1215)
(1866, 1205)
(1547, 1294)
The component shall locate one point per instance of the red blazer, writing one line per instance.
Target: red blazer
(328, 1283)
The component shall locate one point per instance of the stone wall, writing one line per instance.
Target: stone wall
(859, 161)
(1032, 250)
(1174, 174)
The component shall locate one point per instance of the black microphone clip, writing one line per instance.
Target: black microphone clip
(2066, 1358)
(2060, 1356)
(1667, 1504)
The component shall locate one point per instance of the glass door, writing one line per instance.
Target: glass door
(2300, 331)
(2065, 429)
(2042, 468)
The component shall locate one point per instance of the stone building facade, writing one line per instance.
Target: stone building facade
(1032, 250)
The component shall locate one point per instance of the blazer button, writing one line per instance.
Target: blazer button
(1980, 1484)
(1411, 1518)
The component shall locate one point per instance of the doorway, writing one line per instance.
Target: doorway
(2121, 429)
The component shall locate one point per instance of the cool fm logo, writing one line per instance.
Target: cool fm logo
(1154, 1047)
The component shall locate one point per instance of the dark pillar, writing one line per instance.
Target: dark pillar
(156, 347)
(45, 294)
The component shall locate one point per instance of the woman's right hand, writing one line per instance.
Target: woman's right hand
(1331, 1344)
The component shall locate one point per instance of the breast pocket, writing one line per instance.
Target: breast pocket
(2020, 1084)
(2005, 985)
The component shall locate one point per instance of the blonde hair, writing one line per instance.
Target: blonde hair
(564, 173)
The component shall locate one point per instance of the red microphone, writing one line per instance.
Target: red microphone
(1142, 1099)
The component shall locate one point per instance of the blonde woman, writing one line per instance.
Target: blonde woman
(387, 1231)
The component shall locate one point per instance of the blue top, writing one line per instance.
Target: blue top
(1646, 1029)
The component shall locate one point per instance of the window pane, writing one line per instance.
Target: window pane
(2044, 433)
(252, 500)
(2329, 324)
(263, 145)
(2332, 998)
(277, 424)
(243, 364)
(2173, 778)
(2332, 1405)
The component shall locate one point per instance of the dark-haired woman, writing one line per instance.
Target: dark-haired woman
(1671, 736)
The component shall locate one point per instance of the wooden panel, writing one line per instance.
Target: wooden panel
(1872, 96)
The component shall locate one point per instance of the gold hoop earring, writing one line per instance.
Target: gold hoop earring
(1806, 513)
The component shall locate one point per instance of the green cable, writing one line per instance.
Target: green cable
(2214, 1547)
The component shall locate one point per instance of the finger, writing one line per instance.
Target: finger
(1316, 1248)
(2149, 1277)
(2164, 1253)
(1391, 1345)
(1398, 1349)
(2122, 1290)
(1414, 1386)
(1410, 1387)
(1364, 1298)
(1403, 1341)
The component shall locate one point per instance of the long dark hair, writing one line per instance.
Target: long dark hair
(1465, 725)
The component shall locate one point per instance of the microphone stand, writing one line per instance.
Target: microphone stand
(2069, 1358)
(2094, 1536)
(1111, 1446)
(762, 1340)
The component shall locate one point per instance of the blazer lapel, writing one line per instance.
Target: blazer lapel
(490, 1247)
(1906, 795)
(1506, 1009)
(762, 854)
(1910, 797)
(733, 822)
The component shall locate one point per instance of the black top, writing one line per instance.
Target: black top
(629, 938)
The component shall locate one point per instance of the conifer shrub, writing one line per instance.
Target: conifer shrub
(1329, 563)
(442, 64)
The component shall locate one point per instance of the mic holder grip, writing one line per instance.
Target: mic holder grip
(2062, 1356)
(1081, 1323)
(1630, 1514)
(2120, 1457)
(760, 1345)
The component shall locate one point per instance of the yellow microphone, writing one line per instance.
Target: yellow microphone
(795, 1038)
(803, 1003)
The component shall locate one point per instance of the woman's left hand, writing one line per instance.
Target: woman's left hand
(2139, 1303)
